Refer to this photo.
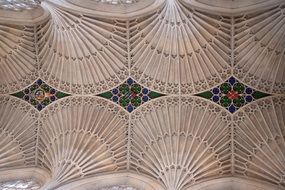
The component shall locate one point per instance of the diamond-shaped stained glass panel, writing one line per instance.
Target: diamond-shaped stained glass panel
(40, 94)
(232, 94)
(130, 95)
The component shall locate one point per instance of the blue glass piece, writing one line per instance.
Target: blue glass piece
(115, 98)
(39, 82)
(115, 91)
(52, 91)
(232, 94)
(145, 91)
(216, 98)
(216, 90)
(39, 107)
(52, 98)
(232, 108)
(130, 108)
(39, 94)
(130, 95)
(145, 98)
(27, 98)
(232, 81)
(248, 98)
(130, 81)
(27, 91)
(248, 90)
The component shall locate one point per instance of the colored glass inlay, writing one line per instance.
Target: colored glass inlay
(232, 95)
(130, 95)
(40, 94)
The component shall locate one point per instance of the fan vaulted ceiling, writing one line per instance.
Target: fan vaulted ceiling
(143, 94)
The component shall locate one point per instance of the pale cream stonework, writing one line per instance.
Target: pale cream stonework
(175, 142)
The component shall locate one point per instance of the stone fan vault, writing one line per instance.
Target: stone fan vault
(145, 95)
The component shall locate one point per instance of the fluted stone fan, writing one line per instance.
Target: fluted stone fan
(142, 94)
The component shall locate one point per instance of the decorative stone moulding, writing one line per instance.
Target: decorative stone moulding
(130, 95)
(259, 42)
(158, 95)
(180, 50)
(180, 141)
(114, 180)
(231, 7)
(259, 141)
(89, 146)
(23, 16)
(232, 183)
(232, 94)
(17, 57)
(93, 49)
(18, 131)
(120, 9)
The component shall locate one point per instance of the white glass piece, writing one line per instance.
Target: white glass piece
(117, 2)
(21, 184)
(118, 188)
(19, 5)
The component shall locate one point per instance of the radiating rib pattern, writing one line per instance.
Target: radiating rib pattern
(176, 140)
(94, 50)
(180, 48)
(260, 49)
(180, 142)
(82, 136)
(18, 66)
(259, 141)
(17, 136)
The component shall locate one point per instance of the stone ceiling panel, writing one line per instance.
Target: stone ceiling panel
(82, 136)
(18, 66)
(18, 131)
(178, 49)
(260, 49)
(81, 54)
(180, 142)
(259, 141)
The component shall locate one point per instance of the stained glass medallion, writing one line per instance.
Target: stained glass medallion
(232, 94)
(40, 94)
(130, 95)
